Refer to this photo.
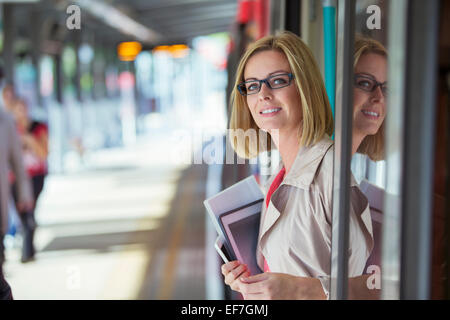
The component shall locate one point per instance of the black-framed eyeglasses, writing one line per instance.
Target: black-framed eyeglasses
(369, 84)
(273, 82)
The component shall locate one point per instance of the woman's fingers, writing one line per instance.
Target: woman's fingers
(232, 271)
(246, 274)
(256, 278)
(227, 267)
(235, 274)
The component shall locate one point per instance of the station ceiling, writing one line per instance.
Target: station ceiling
(152, 22)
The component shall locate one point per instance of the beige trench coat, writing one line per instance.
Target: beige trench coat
(295, 230)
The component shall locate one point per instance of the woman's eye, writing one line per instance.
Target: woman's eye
(364, 84)
(252, 87)
(279, 81)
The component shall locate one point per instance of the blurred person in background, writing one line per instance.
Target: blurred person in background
(8, 98)
(10, 158)
(34, 137)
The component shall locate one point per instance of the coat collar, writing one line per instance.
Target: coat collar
(306, 163)
(301, 175)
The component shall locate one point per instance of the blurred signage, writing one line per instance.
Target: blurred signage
(128, 51)
(245, 11)
(254, 12)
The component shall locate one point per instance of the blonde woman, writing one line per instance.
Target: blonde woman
(369, 94)
(279, 89)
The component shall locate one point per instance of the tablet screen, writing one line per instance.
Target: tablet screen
(241, 228)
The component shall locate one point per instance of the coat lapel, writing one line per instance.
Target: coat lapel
(301, 176)
(271, 216)
(306, 163)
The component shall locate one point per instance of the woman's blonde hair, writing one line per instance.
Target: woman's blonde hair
(372, 145)
(317, 118)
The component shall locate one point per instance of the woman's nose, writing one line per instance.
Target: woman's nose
(377, 95)
(265, 92)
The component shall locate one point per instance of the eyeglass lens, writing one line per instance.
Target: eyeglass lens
(274, 82)
(368, 84)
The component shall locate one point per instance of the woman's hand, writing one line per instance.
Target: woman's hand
(232, 271)
(280, 286)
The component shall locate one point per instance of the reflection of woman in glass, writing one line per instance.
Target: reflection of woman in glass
(369, 111)
(369, 94)
(279, 89)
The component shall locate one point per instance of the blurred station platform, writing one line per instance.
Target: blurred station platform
(130, 226)
(129, 90)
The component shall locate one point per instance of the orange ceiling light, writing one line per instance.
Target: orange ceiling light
(176, 50)
(128, 51)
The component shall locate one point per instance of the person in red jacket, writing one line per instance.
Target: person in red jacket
(34, 136)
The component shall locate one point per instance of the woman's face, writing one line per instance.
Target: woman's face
(369, 108)
(273, 108)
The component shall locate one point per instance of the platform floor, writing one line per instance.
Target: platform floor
(130, 227)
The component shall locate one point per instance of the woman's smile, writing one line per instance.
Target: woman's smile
(371, 114)
(270, 111)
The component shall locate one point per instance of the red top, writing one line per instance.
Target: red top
(33, 164)
(274, 186)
